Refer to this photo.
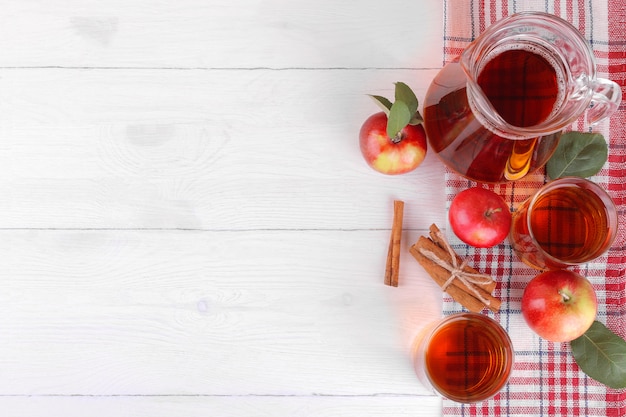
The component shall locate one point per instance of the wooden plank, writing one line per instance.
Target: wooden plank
(269, 313)
(210, 34)
(197, 149)
(248, 406)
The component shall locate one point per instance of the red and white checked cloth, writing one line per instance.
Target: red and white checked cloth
(546, 380)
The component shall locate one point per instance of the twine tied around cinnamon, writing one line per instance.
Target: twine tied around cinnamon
(457, 270)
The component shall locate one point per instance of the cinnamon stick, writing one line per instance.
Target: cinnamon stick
(436, 236)
(457, 289)
(471, 303)
(392, 268)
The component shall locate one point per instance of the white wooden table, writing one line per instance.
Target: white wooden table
(187, 227)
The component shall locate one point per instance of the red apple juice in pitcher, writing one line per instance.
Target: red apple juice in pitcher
(522, 86)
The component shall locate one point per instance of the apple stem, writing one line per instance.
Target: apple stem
(492, 211)
(397, 138)
(566, 297)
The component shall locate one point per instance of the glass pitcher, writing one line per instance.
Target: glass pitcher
(496, 112)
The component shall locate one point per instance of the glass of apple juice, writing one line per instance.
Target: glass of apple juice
(568, 221)
(466, 357)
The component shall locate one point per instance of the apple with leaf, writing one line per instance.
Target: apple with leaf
(394, 141)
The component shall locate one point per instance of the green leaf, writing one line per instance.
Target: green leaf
(405, 94)
(578, 154)
(399, 117)
(601, 354)
(416, 119)
(383, 103)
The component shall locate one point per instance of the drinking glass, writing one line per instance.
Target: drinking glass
(466, 357)
(568, 221)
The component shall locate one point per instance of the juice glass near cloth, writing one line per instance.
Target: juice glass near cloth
(466, 357)
(496, 113)
(566, 222)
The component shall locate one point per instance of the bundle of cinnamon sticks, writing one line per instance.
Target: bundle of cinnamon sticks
(465, 285)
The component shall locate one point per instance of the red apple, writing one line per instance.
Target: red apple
(398, 155)
(479, 217)
(559, 305)
(394, 141)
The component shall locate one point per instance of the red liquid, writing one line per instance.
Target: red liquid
(568, 223)
(522, 86)
(571, 224)
(470, 149)
(468, 359)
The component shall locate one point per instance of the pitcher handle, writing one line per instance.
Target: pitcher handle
(606, 98)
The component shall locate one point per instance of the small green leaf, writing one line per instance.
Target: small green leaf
(578, 154)
(399, 117)
(601, 354)
(383, 103)
(417, 119)
(405, 94)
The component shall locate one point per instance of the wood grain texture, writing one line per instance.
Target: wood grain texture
(197, 313)
(201, 150)
(246, 406)
(187, 225)
(222, 34)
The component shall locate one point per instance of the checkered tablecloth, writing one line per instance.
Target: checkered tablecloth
(546, 381)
